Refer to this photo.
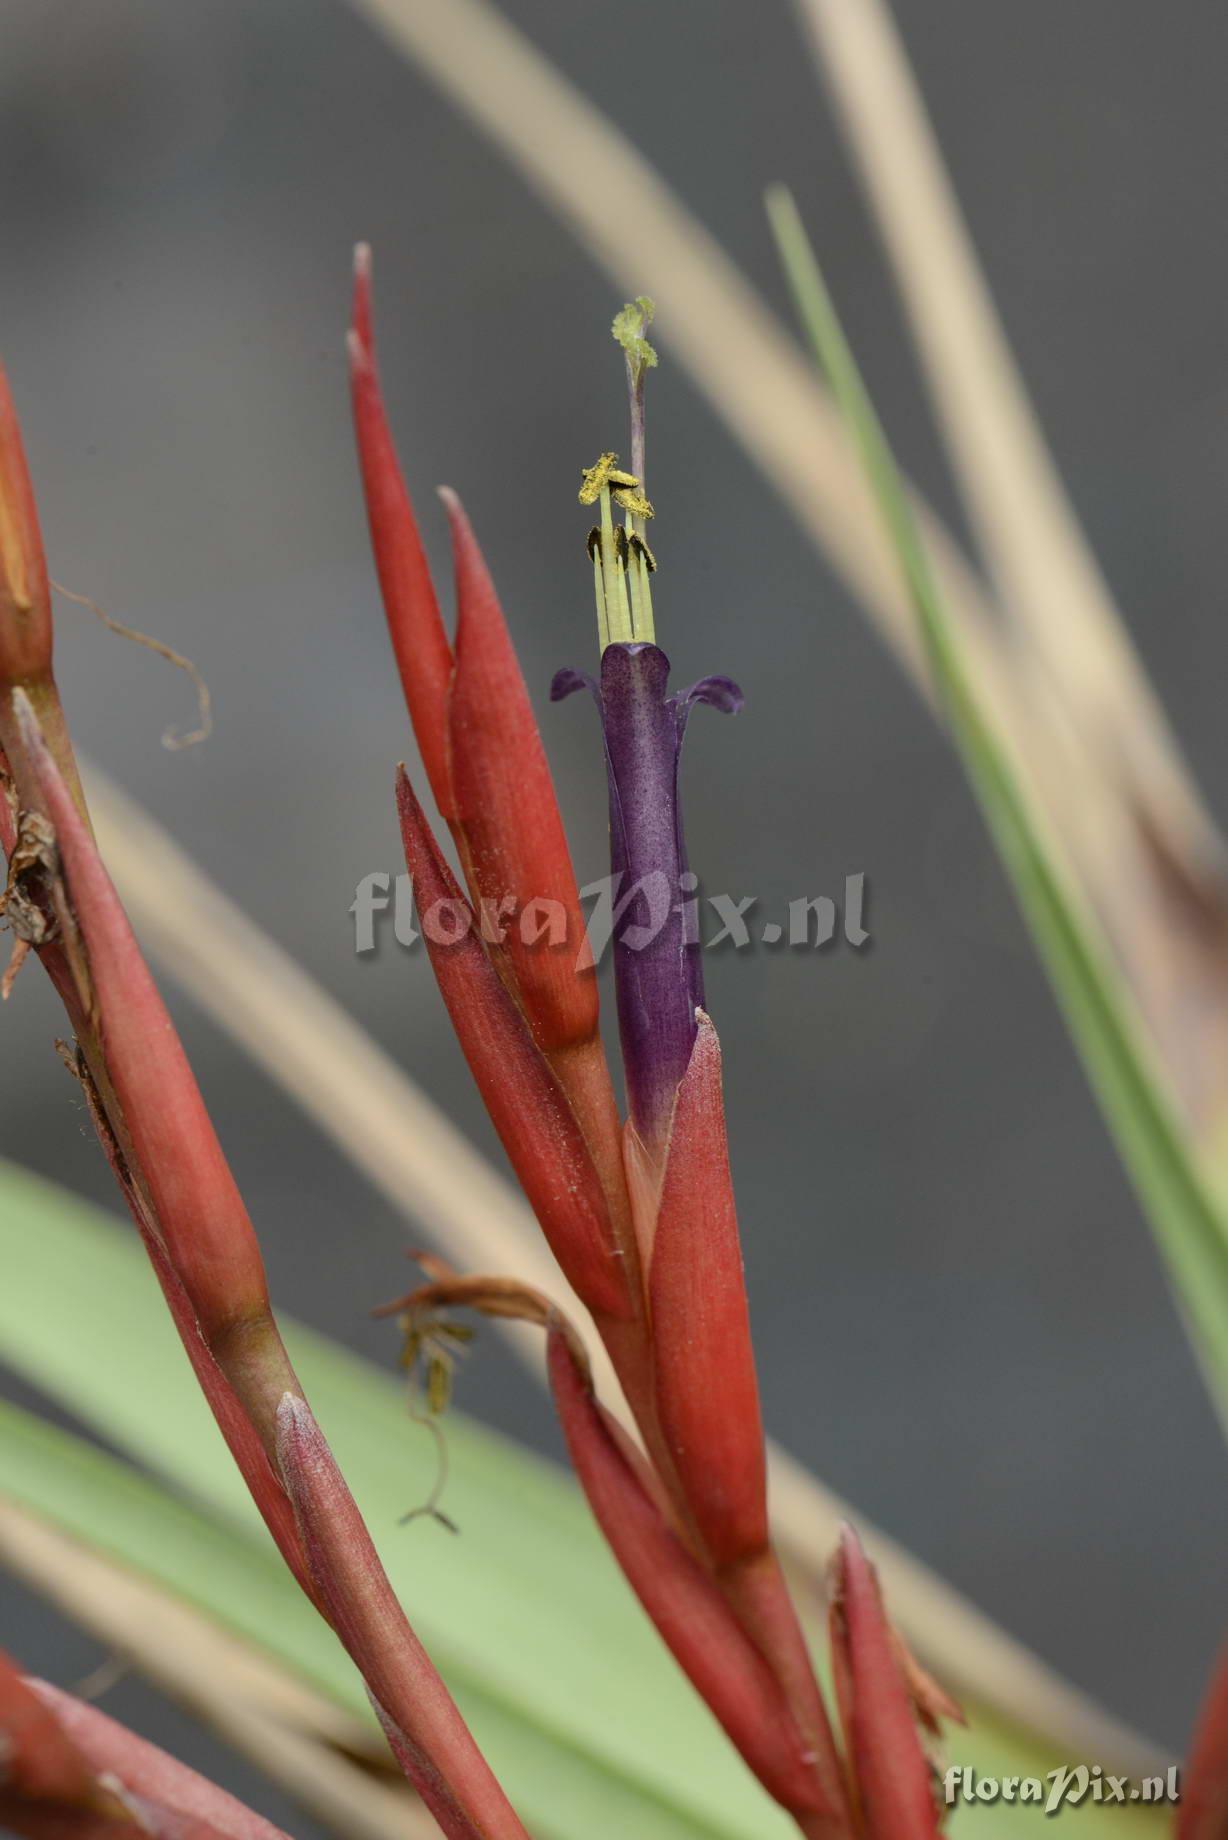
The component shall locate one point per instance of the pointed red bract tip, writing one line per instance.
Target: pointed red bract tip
(689, 1612)
(506, 805)
(360, 320)
(707, 1393)
(888, 1764)
(208, 1236)
(527, 1106)
(1203, 1811)
(37, 1758)
(173, 1800)
(25, 594)
(419, 642)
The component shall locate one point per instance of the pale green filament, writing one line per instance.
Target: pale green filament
(603, 625)
(624, 608)
(643, 574)
(640, 616)
(620, 625)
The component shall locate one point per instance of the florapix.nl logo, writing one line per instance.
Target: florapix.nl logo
(1065, 1787)
(635, 911)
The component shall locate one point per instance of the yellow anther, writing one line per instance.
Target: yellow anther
(606, 472)
(633, 500)
(596, 478)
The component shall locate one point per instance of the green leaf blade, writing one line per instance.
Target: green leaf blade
(1184, 1206)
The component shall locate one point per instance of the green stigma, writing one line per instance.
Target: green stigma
(630, 325)
(622, 561)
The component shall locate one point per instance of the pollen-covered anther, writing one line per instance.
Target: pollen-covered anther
(596, 478)
(605, 471)
(631, 498)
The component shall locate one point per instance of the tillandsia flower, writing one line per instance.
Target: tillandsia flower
(158, 1138)
(704, 1388)
(525, 1010)
(658, 969)
(650, 1246)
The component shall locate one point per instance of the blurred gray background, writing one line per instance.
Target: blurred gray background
(961, 1322)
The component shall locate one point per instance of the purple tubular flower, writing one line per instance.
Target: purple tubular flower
(658, 976)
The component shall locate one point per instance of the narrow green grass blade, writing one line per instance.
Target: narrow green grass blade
(1186, 1210)
(566, 1686)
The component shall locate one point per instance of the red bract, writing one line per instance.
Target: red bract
(433, 1741)
(25, 593)
(473, 721)
(680, 1597)
(887, 1764)
(25, 614)
(507, 811)
(178, 1163)
(159, 1780)
(527, 1105)
(37, 1758)
(706, 1389)
(1203, 1813)
(419, 642)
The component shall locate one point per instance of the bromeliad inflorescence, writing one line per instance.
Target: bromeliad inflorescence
(639, 1215)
